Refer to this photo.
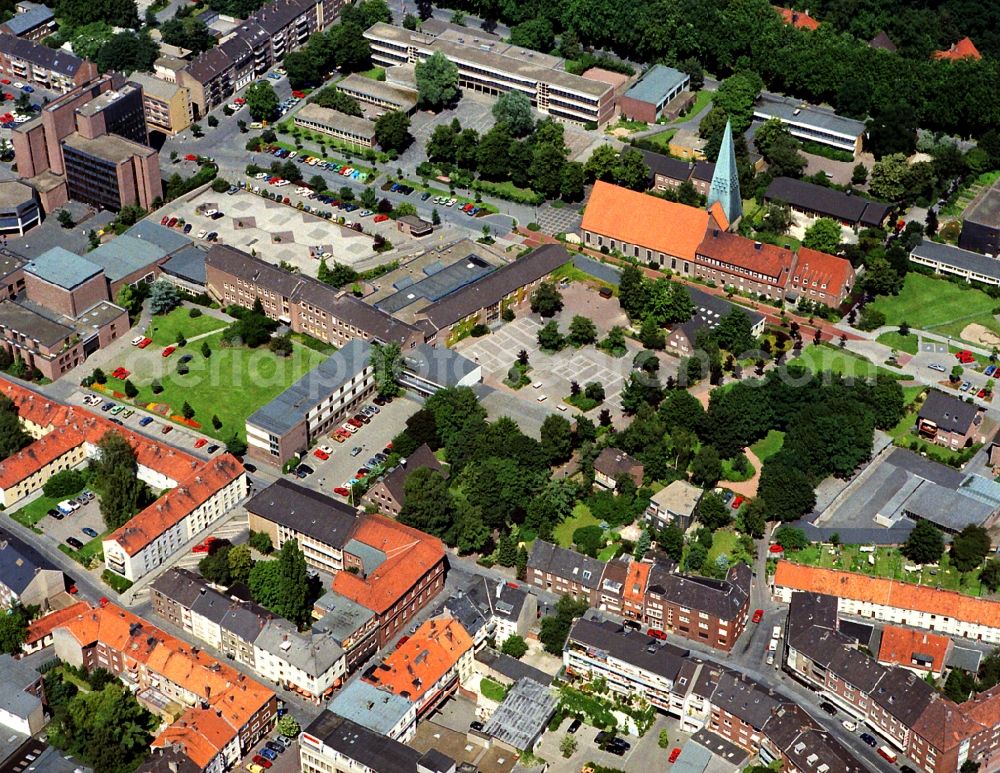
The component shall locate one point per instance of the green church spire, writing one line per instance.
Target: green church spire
(725, 187)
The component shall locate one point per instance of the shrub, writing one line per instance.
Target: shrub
(195, 312)
(64, 484)
(478, 331)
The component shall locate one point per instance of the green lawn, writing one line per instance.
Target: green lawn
(563, 533)
(94, 549)
(492, 690)
(375, 73)
(730, 473)
(231, 383)
(911, 393)
(769, 445)
(34, 511)
(841, 362)
(890, 563)
(938, 305)
(899, 342)
(661, 140)
(164, 329)
(701, 99)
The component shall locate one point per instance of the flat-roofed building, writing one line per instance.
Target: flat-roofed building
(493, 67)
(167, 106)
(346, 128)
(676, 504)
(19, 207)
(116, 111)
(111, 171)
(648, 99)
(379, 94)
(810, 123)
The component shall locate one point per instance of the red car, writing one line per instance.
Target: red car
(758, 615)
(402, 641)
(145, 342)
(381, 218)
(172, 222)
(200, 442)
(168, 351)
(341, 491)
(165, 219)
(298, 94)
(264, 762)
(737, 502)
(656, 633)
(204, 547)
(190, 157)
(239, 101)
(355, 422)
(166, 430)
(73, 590)
(5, 81)
(981, 393)
(674, 754)
(319, 454)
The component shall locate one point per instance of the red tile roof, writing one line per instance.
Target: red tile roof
(899, 645)
(636, 581)
(798, 19)
(891, 593)
(648, 221)
(428, 655)
(37, 455)
(945, 725)
(735, 250)
(837, 274)
(43, 626)
(409, 555)
(177, 503)
(963, 49)
(231, 699)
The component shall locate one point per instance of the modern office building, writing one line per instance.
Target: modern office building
(493, 67)
(111, 171)
(116, 111)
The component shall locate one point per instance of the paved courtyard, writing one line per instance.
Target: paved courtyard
(559, 220)
(551, 374)
(273, 231)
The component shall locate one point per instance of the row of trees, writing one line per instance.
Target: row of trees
(516, 149)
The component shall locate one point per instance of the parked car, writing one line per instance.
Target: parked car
(212, 448)
(849, 725)
(89, 532)
(829, 708)
(186, 358)
(656, 633)
(758, 615)
(264, 762)
(674, 754)
(74, 543)
(277, 748)
(319, 453)
(303, 470)
(475, 724)
(342, 491)
(869, 739)
(167, 429)
(937, 367)
(168, 351)
(145, 421)
(200, 442)
(574, 725)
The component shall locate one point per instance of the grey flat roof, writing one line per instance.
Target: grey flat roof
(523, 715)
(14, 193)
(378, 89)
(156, 87)
(109, 147)
(28, 322)
(167, 239)
(106, 99)
(61, 267)
(658, 81)
(949, 509)
(770, 105)
(511, 667)
(373, 707)
(335, 119)
(439, 284)
(440, 365)
(343, 617)
(956, 257)
(27, 21)
(15, 677)
(291, 406)
(187, 263)
(125, 255)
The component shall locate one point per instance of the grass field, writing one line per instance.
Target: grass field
(35, 510)
(164, 329)
(890, 563)
(563, 533)
(769, 445)
(701, 99)
(938, 305)
(661, 140)
(911, 393)
(899, 342)
(822, 358)
(231, 383)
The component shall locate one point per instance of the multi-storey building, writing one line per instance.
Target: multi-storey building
(948, 259)
(19, 208)
(311, 407)
(306, 304)
(115, 111)
(811, 124)
(820, 278)
(564, 572)
(222, 713)
(26, 576)
(496, 610)
(379, 94)
(258, 43)
(813, 201)
(494, 68)
(111, 171)
(429, 666)
(702, 695)
(334, 744)
(386, 567)
(730, 260)
(892, 601)
(155, 534)
(167, 106)
(31, 22)
(52, 68)
(388, 494)
(950, 421)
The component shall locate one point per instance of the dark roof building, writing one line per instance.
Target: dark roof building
(820, 201)
(949, 413)
(304, 511)
(493, 288)
(26, 576)
(564, 570)
(389, 492)
(331, 738)
(948, 259)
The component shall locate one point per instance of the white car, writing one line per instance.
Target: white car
(451, 202)
(293, 154)
(18, 85)
(326, 450)
(68, 506)
(202, 233)
(849, 726)
(350, 428)
(137, 340)
(260, 175)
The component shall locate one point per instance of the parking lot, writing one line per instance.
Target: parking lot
(72, 525)
(644, 754)
(284, 762)
(371, 438)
